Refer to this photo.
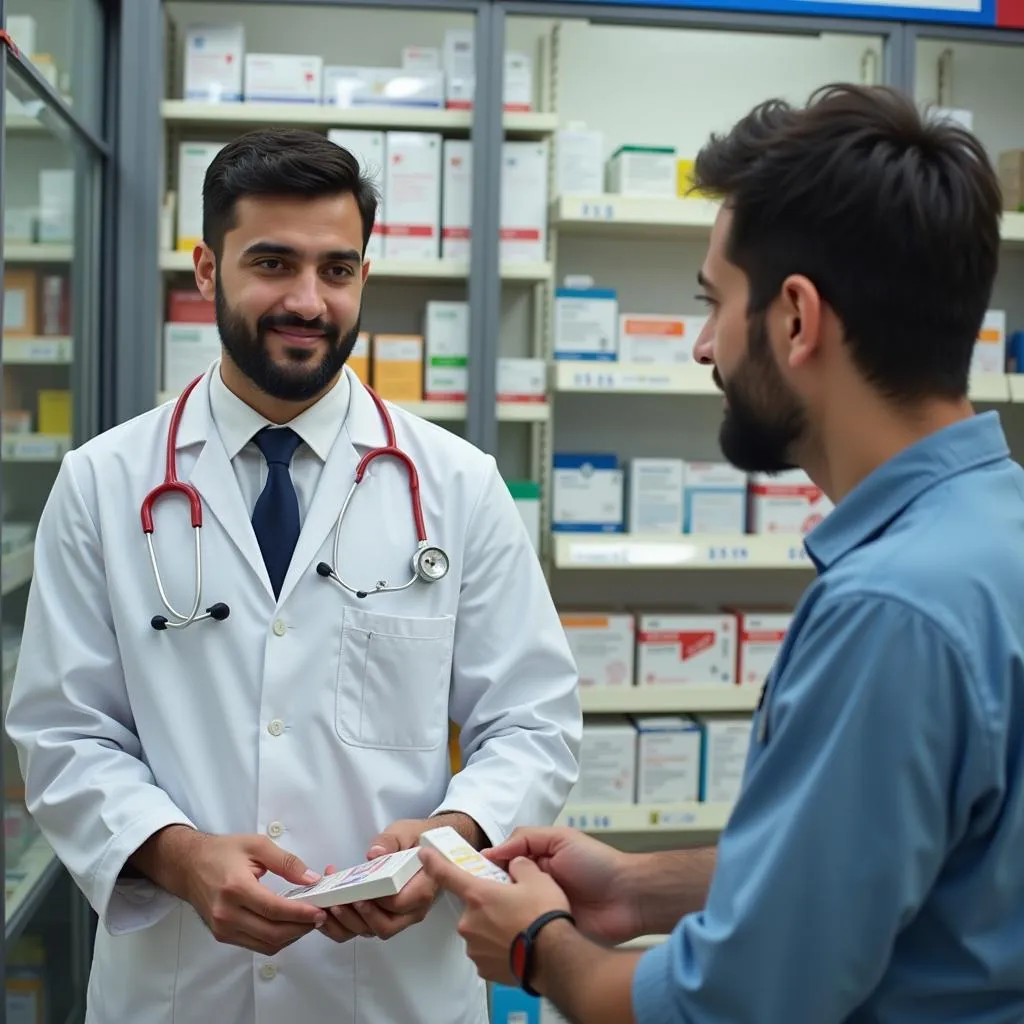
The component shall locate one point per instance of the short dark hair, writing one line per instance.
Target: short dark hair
(893, 215)
(281, 162)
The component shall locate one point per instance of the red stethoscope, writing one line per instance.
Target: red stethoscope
(429, 562)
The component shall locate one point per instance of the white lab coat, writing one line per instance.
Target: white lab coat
(122, 729)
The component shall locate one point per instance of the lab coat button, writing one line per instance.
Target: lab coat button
(275, 830)
(276, 727)
(268, 972)
(280, 628)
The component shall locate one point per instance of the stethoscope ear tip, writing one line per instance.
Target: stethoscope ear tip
(324, 569)
(158, 622)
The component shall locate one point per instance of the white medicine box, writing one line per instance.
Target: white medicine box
(522, 380)
(56, 205)
(283, 78)
(668, 760)
(761, 638)
(194, 159)
(368, 148)
(607, 764)
(714, 499)
(526, 495)
(726, 742)
(214, 63)
(655, 496)
(579, 167)
(189, 349)
(587, 494)
(456, 199)
(413, 188)
(446, 337)
(788, 502)
(602, 645)
(990, 349)
(646, 171)
(586, 323)
(677, 649)
(524, 202)
(662, 340)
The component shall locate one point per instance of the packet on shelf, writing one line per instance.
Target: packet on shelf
(372, 880)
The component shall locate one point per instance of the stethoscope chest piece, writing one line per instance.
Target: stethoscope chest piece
(430, 563)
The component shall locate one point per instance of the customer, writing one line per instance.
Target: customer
(872, 867)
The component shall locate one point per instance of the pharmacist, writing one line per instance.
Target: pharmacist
(187, 774)
(871, 868)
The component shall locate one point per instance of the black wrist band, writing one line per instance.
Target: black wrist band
(521, 952)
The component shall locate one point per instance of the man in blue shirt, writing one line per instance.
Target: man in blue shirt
(872, 871)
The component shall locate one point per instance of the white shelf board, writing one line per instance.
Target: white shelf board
(1015, 381)
(34, 447)
(679, 551)
(15, 568)
(191, 112)
(173, 261)
(22, 351)
(646, 700)
(585, 375)
(524, 412)
(21, 252)
(28, 872)
(688, 817)
(1012, 229)
(989, 387)
(23, 124)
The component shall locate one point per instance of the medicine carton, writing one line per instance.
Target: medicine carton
(421, 58)
(194, 158)
(648, 171)
(348, 86)
(413, 188)
(517, 93)
(579, 165)
(714, 498)
(456, 199)
(668, 759)
(446, 334)
(369, 149)
(372, 880)
(607, 763)
(359, 357)
(602, 646)
(214, 62)
(56, 205)
(676, 649)
(726, 742)
(655, 496)
(458, 59)
(524, 202)
(526, 495)
(788, 502)
(761, 635)
(587, 494)
(283, 78)
(989, 354)
(189, 349)
(21, 303)
(662, 340)
(447, 842)
(586, 323)
(397, 367)
(522, 380)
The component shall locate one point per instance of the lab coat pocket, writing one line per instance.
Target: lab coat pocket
(393, 681)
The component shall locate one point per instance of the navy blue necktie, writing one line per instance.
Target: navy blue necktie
(275, 519)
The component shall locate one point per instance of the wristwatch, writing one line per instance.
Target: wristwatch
(521, 952)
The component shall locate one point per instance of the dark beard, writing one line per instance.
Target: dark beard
(763, 420)
(296, 382)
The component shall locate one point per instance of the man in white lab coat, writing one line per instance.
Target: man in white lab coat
(185, 776)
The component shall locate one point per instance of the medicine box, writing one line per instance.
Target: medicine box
(456, 199)
(368, 148)
(189, 349)
(655, 496)
(607, 763)
(349, 86)
(602, 646)
(56, 205)
(524, 202)
(458, 59)
(397, 367)
(587, 493)
(668, 759)
(650, 338)
(214, 62)
(579, 165)
(446, 334)
(421, 58)
(194, 159)
(522, 380)
(586, 323)
(21, 303)
(283, 78)
(384, 876)
(676, 649)
(714, 498)
(726, 742)
(526, 495)
(514, 1006)
(1011, 178)
(648, 171)
(53, 411)
(989, 354)
(761, 635)
(788, 502)
(413, 189)
(517, 94)
(22, 29)
(447, 842)
(359, 357)
(188, 306)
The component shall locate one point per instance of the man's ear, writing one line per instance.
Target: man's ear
(204, 263)
(801, 308)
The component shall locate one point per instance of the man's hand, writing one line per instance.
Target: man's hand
(494, 911)
(219, 876)
(593, 876)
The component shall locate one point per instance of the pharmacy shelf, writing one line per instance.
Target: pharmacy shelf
(24, 351)
(645, 700)
(688, 817)
(22, 124)
(679, 551)
(1012, 230)
(15, 569)
(410, 270)
(21, 252)
(583, 375)
(989, 388)
(34, 447)
(27, 882)
(186, 112)
(1015, 381)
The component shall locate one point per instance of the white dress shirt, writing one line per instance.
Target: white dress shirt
(318, 426)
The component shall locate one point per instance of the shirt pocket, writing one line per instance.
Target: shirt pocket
(394, 675)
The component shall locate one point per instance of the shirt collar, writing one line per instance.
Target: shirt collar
(237, 423)
(882, 496)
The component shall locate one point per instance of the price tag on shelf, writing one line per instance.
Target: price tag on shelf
(590, 822)
(671, 819)
(597, 554)
(727, 554)
(597, 211)
(797, 553)
(594, 380)
(652, 381)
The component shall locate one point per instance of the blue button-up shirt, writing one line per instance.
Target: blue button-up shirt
(872, 871)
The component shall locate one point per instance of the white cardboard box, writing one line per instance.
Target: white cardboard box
(413, 188)
(990, 349)
(446, 343)
(368, 148)
(194, 159)
(283, 78)
(655, 496)
(214, 62)
(715, 498)
(447, 842)
(189, 349)
(586, 323)
(602, 645)
(650, 338)
(386, 875)
(421, 58)
(674, 649)
(587, 493)
(459, 68)
(524, 202)
(579, 165)
(643, 171)
(352, 86)
(56, 205)
(607, 764)
(787, 502)
(760, 639)
(456, 199)
(522, 380)
(725, 745)
(668, 760)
